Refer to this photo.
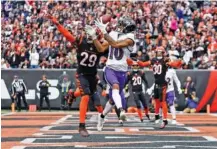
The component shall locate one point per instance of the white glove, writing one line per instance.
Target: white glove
(101, 26)
(149, 91)
(90, 31)
(180, 91)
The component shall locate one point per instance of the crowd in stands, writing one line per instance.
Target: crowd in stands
(186, 29)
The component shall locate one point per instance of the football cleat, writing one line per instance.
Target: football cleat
(163, 125)
(100, 123)
(83, 132)
(121, 123)
(122, 115)
(173, 122)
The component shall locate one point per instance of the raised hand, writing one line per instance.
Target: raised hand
(90, 31)
(101, 26)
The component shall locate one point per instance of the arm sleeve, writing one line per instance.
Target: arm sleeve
(24, 85)
(12, 89)
(145, 80)
(152, 87)
(144, 64)
(66, 33)
(102, 85)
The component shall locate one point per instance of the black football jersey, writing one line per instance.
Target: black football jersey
(88, 58)
(137, 79)
(159, 70)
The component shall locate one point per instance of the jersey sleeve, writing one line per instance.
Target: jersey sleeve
(144, 79)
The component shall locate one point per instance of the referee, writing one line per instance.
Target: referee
(44, 85)
(19, 89)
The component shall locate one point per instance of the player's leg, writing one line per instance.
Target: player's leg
(122, 81)
(18, 102)
(47, 102)
(83, 85)
(24, 101)
(157, 103)
(145, 104)
(41, 102)
(170, 101)
(112, 80)
(96, 99)
(164, 106)
(138, 105)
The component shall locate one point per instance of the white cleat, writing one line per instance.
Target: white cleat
(173, 122)
(121, 122)
(157, 121)
(122, 116)
(100, 123)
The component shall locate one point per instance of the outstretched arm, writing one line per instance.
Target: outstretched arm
(144, 64)
(120, 43)
(62, 30)
(175, 64)
(101, 47)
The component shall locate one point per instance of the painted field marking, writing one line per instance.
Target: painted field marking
(46, 128)
(192, 129)
(118, 137)
(80, 146)
(62, 119)
(119, 130)
(210, 138)
(6, 114)
(18, 147)
(133, 129)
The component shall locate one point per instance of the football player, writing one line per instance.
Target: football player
(137, 79)
(160, 65)
(120, 45)
(86, 78)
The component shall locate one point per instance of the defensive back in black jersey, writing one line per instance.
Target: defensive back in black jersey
(159, 70)
(136, 80)
(88, 57)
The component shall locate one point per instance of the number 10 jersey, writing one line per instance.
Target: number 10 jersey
(117, 59)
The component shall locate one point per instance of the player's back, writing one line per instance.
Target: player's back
(87, 57)
(170, 79)
(117, 57)
(159, 70)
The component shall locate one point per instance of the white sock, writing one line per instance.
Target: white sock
(117, 98)
(173, 111)
(160, 112)
(107, 109)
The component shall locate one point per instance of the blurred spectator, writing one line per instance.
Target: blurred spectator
(34, 59)
(187, 29)
(190, 96)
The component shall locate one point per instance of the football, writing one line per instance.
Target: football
(106, 18)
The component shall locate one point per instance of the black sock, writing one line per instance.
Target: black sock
(102, 116)
(82, 125)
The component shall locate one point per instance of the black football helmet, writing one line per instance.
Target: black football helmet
(126, 24)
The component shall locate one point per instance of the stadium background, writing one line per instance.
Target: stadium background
(205, 81)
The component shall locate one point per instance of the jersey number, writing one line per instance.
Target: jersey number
(88, 60)
(117, 53)
(137, 81)
(168, 81)
(157, 69)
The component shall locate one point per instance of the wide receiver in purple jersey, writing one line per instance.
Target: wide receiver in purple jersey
(120, 44)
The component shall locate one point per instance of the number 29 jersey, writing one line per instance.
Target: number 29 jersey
(87, 57)
(159, 70)
(117, 57)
